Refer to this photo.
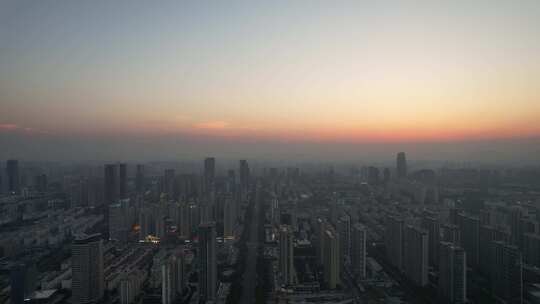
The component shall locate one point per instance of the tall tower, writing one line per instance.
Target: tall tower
(244, 177)
(286, 254)
(122, 180)
(229, 218)
(331, 258)
(358, 250)
(112, 187)
(87, 269)
(208, 263)
(12, 171)
(452, 286)
(139, 179)
(401, 165)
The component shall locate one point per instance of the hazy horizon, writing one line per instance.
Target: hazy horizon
(306, 80)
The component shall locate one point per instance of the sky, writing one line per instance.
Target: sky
(276, 79)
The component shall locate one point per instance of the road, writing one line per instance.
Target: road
(249, 283)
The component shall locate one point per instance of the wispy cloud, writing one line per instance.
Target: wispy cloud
(212, 125)
(11, 127)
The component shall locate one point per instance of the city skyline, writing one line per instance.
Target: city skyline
(312, 74)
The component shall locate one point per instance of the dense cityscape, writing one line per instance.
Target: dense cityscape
(269, 152)
(211, 232)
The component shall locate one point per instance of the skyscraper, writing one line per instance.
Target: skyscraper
(358, 250)
(139, 179)
(87, 269)
(470, 237)
(169, 183)
(244, 177)
(415, 257)
(122, 181)
(432, 225)
(229, 218)
(12, 172)
(209, 174)
(208, 262)
(452, 285)
(344, 230)
(112, 188)
(286, 255)
(331, 265)
(401, 165)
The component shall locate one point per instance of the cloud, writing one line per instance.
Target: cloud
(8, 127)
(11, 127)
(212, 125)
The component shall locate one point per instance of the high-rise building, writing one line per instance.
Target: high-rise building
(112, 187)
(139, 178)
(415, 257)
(401, 165)
(452, 285)
(358, 250)
(87, 269)
(209, 174)
(244, 176)
(432, 225)
(372, 175)
(286, 255)
(344, 229)
(320, 229)
(184, 224)
(22, 282)
(122, 181)
(229, 218)
(450, 233)
(487, 235)
(208, 263)
(12, 172)
(507, 272)
(531, 249)
(516, 214)
(121, 218)
(172, 278)
(386, 175)
(169, 183)
(331, 265)
(393, 238)
(40, 183)
(470, 237)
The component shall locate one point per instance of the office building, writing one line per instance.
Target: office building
(208, 263)
(87, 269)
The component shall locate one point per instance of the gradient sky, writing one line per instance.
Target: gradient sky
(328, 72)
